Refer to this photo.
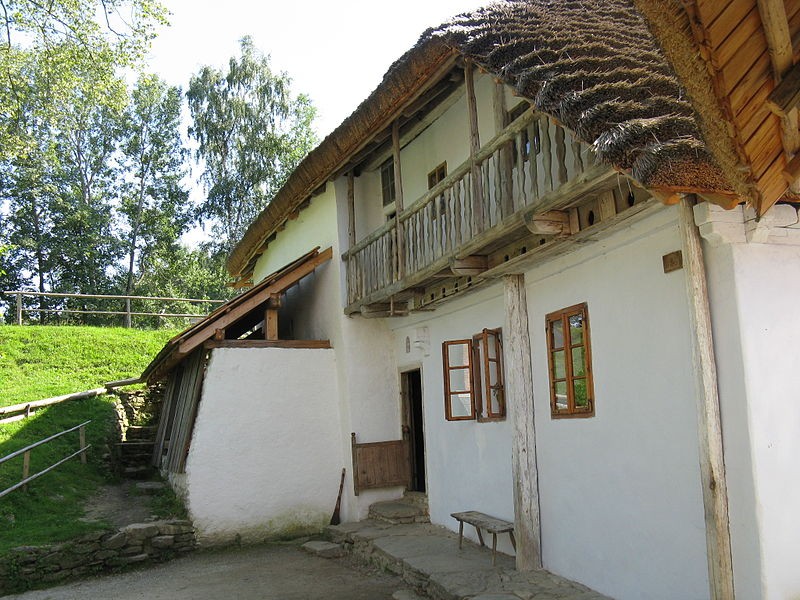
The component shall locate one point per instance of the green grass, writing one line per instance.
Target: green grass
(50, 509)
(41, 362)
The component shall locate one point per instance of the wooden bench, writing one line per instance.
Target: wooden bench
(481, 521)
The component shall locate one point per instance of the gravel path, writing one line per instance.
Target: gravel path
(265, 572)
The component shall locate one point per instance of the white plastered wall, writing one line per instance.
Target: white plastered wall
(620, 498)
(754, 290)
(265, 457)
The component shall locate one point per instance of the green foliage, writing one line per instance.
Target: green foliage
(50, 510)
(41, 362)
(251, 133)
(153, 200)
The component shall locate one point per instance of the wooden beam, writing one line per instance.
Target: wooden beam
(519, 398)
(312, 344)
(791, 172)
(279, 285)
(271, 324)
(552, 222)
(351, 210)
(474, 145)
(470, 265)
(776, 30)
(709, 424)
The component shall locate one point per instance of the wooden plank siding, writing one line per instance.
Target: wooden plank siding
(733, 40)
(177, 431)
(380, 464)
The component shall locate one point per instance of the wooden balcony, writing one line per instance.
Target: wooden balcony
(521, 183)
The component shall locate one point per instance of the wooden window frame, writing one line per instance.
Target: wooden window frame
(388, 192)
(480, 346)
(479, 368)
(448, 391)
(562, 316)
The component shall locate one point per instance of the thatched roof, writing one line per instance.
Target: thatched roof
(591, 64)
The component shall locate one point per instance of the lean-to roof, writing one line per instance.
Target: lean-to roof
(591, 64)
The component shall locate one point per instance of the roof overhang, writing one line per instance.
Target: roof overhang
(233, 311)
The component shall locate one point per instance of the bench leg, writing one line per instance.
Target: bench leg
(460, 533)
(480, 536)
(494, 549)
(513, 541)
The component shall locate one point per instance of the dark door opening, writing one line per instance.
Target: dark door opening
(413, 429)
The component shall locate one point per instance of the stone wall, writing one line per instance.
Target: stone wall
(97, 552)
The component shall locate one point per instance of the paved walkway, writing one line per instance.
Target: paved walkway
(264, 572)
(427, 557)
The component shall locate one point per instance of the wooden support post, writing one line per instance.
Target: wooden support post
(399, 247)
(19, 309)
(351, 209)
(709, 424)
(127, 320)
(82, 442)
(519, 396)
(506, 154)
(474, 148)
(26, 468)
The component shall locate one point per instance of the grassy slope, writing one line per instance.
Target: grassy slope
(38, 362)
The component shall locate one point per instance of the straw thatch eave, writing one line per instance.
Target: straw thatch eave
(591, 64)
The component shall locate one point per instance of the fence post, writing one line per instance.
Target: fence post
(26, 468)
(82, 443)
(19, 309)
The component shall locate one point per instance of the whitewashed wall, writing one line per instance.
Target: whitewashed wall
(754, 291)
(620, 497)
(265, 458)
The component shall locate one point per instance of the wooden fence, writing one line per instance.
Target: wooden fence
(26, 457)
(128, 314)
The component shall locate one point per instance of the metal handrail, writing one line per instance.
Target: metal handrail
(22, 451)
(110, 296)
(25, 453)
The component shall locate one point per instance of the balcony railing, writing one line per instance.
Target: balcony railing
(524, 165)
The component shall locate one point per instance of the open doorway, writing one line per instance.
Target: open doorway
(413, 433)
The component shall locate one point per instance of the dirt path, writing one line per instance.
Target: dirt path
(118, 505)
(267, 572)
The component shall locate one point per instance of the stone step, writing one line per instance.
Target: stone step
(397, 512)
(138, 472)
(417, 499)
(428, 558)
(324, 549)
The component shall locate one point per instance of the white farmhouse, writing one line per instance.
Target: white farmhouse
(547, 270)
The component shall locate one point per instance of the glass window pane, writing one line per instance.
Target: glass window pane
(578, 361)
(496, 401)
(459, 380)
(491, 343)
(579, 390)
(557, 334)
(460, 405)
(561, 395)
(458, 355)
(559, 368)
(576, 329)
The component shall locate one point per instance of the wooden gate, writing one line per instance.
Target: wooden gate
(380, 464)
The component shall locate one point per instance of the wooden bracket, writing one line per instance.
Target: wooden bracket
(786, 94)
(470, 265)
(384, 309)
(552, 222)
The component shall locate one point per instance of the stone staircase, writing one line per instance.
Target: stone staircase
(134, 454)
(411, 508)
